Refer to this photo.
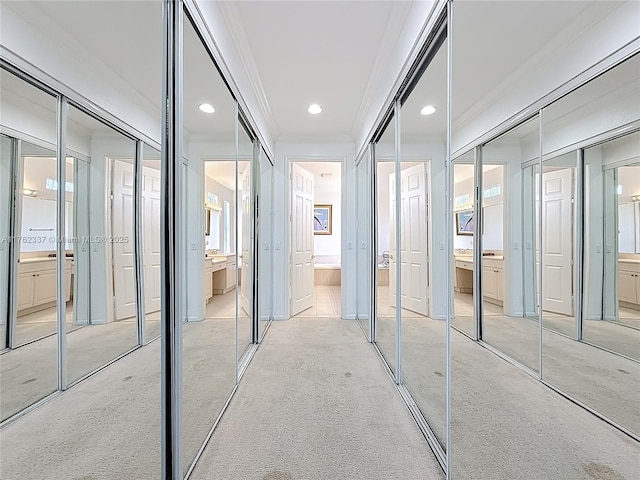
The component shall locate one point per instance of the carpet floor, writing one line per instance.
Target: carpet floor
(316, 403)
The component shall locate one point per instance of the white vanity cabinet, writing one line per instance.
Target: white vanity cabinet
(629, 283)
(492, 280)
(37, 280)
(224, 276)
(208, 280)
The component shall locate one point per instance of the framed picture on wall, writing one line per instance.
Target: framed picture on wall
(322, 219)
(465, 222)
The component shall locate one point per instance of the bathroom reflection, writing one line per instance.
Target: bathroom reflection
(462, 316)
(508, 218)
(29, 261)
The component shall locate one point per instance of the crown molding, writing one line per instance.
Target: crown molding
(388, 44)
(233, 21)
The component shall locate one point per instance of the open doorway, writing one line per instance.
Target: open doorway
(316, 239)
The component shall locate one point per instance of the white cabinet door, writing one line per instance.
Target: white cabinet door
(231, 276)
(208, 283)
(26, 284)
(44, 290)
(489, 282)
(627, 287)
(302, 275)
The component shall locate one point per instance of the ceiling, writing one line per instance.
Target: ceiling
(303, 52)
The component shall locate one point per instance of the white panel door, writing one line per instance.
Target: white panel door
(151, 239)
(557, 242)
(413, 248)
(122, 226)
(247, 221)
(301, 239)
(392, 239)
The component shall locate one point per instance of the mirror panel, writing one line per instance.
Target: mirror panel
(422, 150)
(592, 350)
(209, 331)
(112, 329)
(29, 254)
(385, 325)
(506, 208)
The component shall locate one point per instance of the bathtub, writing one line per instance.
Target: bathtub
(327, 274)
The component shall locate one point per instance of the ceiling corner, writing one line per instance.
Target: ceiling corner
(236, 30)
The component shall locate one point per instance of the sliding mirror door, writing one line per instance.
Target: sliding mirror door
(507, 214)
(422, 138)
(29, 219)
(591, 184)
(244, 238)
(385, 166)
(112, 329)
(210, 213)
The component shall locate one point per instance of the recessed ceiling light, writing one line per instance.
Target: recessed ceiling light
(428, 110)
(206, 108)
(314, 109)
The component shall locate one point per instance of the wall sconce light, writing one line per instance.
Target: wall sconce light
(27, 192)
(635, 198)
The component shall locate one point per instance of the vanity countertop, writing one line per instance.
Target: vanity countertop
(40, 260)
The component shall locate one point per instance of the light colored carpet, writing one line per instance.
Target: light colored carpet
(506, 425)
(29, 373)
(316, 403)
(108, 426)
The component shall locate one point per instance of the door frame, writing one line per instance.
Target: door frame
(302, 159)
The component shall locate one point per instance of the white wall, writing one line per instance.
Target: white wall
(329, 245)
(67, 61)
(580, 47)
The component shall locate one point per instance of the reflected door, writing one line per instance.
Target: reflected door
(414, 255)
(247, 222)
(151, 245)
(557, 244)
(302, 240)
(123, 267)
